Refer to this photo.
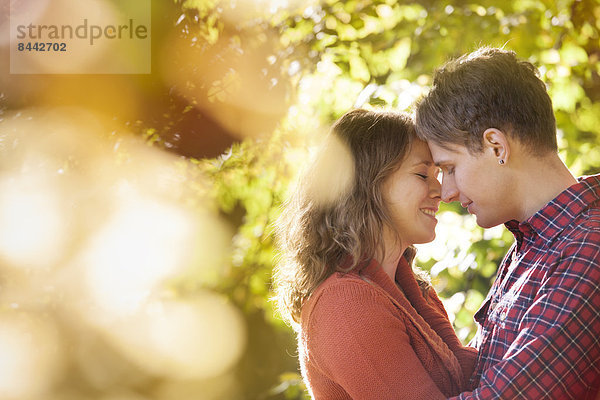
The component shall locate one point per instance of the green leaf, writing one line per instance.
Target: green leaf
(359, 69)
(398, 55)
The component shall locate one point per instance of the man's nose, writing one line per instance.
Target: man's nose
(449, 190)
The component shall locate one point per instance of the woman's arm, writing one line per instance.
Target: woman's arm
(467, 356)
(357, 338)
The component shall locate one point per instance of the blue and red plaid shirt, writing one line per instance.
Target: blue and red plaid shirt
(539, 327)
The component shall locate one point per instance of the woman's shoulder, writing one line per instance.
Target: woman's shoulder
(344, 285)
(344, 293)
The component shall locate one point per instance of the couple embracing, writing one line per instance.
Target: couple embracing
(370, 326)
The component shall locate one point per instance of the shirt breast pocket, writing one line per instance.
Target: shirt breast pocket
(507, 315)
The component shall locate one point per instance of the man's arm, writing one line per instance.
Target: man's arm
(556, 354)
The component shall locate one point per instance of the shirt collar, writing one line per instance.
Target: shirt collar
(559, 213)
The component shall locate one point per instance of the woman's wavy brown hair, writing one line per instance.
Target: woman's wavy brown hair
(317, 238)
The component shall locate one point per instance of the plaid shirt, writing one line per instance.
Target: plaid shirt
(539, 327)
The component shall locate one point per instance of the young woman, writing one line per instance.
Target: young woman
(369, 326)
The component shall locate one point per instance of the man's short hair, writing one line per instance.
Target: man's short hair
(489, 88)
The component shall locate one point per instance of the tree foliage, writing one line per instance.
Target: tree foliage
(331, 56)
(271, 76)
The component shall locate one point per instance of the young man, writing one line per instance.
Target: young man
(489, 123)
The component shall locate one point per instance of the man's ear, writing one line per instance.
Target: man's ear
(497, 144)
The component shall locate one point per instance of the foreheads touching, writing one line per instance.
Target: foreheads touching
(489, 88)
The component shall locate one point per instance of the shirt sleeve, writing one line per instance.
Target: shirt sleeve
(358, 341)
(556, 354)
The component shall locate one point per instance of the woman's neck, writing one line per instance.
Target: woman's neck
(393, 251)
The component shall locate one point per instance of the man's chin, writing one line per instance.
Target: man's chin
(486, 222)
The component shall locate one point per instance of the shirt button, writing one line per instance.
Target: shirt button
(503, 316)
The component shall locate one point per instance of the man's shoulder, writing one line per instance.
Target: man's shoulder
(593, 214)
(585, 224)
(581, 239)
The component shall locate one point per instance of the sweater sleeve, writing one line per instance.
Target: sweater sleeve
(359, 340)
(465, 355)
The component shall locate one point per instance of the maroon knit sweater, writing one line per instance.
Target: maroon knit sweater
(364, 336)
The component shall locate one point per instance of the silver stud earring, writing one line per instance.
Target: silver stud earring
(501, 162)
